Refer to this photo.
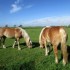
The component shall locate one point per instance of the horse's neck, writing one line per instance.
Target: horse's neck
(25, 34)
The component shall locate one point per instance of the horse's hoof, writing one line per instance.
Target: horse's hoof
(4, 47)
(12, 47)
(19, 48)
(64, 62)
(56, 61)
(46, 54)
(30, 47)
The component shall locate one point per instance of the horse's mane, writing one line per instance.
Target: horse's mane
(41, 34)
(24, 33)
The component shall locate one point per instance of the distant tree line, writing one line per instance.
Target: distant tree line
(22, 25)
(13, 25)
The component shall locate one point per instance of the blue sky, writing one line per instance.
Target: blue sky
(34, 12)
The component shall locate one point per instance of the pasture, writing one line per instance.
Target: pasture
(31, 59)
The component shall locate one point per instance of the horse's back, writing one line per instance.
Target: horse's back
(9, 32)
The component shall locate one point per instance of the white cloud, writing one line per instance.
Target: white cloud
(16, 6)
(49, 21)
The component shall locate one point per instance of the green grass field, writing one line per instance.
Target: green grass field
(31, 59)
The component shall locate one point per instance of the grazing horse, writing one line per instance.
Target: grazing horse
(16, 33)
(55, 35)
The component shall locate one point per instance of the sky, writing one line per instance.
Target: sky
(34, 12)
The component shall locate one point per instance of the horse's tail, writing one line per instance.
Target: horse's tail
(63, 45)
(25, 35)
(40, 38)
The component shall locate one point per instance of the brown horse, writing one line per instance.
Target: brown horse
(16, 33)
(55, 35)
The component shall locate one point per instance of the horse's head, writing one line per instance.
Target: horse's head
(29, 43)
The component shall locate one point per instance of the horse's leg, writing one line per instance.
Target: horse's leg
(46, 48)
(18, 44)
(64, 52)
(42, 43)
(14, 43)
(55, 53)
(3, 41)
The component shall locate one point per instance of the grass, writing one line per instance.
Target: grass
(30, 59)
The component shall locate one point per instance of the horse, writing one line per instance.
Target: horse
(55, 35)
(16, 33)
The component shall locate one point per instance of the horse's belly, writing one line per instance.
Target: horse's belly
(8, 35)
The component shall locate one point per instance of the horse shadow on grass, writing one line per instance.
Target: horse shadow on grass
(68, 50)
(35, 44)
(23, 45)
